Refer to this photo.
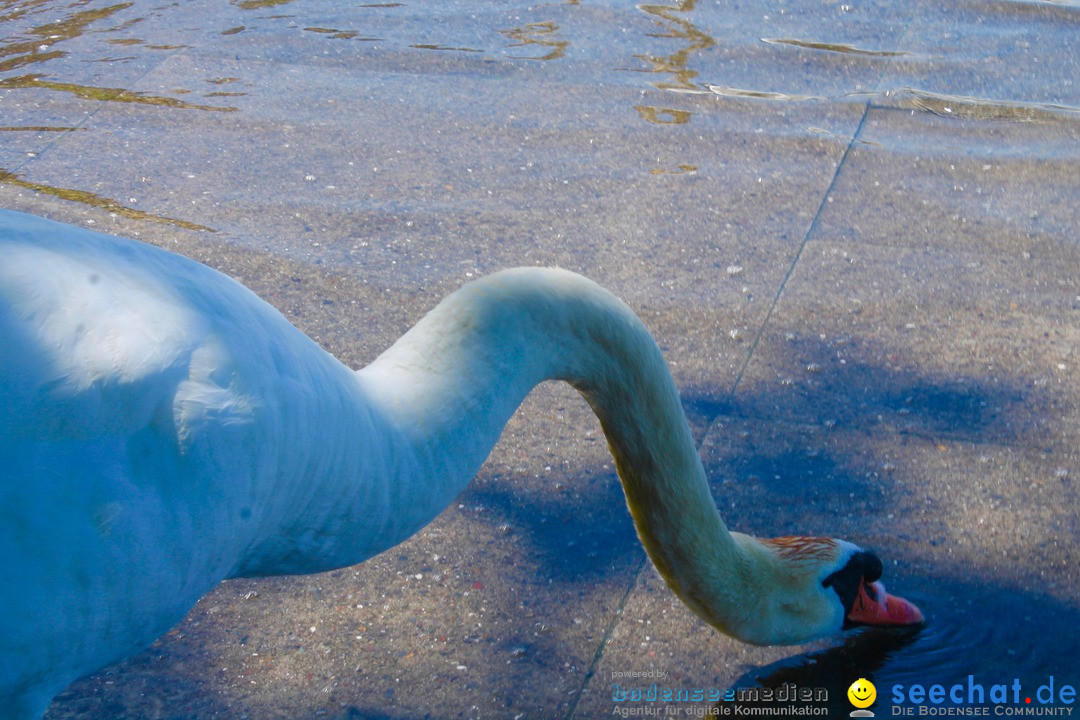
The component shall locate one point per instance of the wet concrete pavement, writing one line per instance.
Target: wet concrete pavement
(860, 259)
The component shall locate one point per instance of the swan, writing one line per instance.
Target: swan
(162, 429)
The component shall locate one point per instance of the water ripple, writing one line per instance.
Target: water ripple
(833, 47)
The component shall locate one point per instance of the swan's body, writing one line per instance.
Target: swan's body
(162, 428)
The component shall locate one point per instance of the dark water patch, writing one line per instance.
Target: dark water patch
(976, 634)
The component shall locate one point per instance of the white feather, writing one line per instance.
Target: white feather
(162, 428)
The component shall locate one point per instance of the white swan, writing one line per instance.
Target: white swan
(162, 428)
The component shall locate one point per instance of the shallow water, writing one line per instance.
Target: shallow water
(510, 70)
(405, 145)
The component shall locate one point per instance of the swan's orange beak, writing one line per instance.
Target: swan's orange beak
(874, 606)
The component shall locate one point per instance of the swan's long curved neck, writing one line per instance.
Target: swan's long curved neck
(450, 384)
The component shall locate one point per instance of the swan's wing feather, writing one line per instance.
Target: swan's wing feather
(101, 357)
(92, 345)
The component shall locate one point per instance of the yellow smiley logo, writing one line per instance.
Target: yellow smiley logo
(862, 693)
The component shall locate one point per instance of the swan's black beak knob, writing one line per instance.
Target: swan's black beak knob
(864, 598)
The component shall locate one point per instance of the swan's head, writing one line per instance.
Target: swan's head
(803, 588)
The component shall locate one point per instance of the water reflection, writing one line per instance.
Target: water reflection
(695, 65)
(862, 654)
(681, 169)
(758, 94)
(543, 34)
(38, 128)
(108, 94)
(833, 47)
(336, 34)
(450, 48)
(42, 43)
(993, 633)
(941, 104)
(37, 48)
(692, 69)
(663, 116)
(259, 4)
(975, 108)
(94, 200)
(676, 65)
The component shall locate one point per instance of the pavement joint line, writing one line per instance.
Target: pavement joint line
(99, 105)
(617, 616)
(867, 107)
(810, 231)
(608, 632)
(16, 170)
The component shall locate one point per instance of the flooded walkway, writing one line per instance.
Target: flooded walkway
(854, 229)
